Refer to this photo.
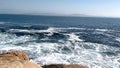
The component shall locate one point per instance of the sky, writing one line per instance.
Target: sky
(107, 8)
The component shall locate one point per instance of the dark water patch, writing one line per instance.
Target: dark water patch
(39, 27)
(48, 37)
(87, 30)
(21, 33)
(66, 50)
(2, 30)
(109, 53)
(27, 27)
(57, 36)
(100, 38)
(115, 33)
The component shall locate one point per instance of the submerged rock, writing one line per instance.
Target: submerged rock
(16, 60)
(64, 66)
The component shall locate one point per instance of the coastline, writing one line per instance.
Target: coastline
(21, 60)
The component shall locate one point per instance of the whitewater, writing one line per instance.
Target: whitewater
(62, 46)
(94, 42)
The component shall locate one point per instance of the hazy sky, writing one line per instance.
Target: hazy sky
(87, 7)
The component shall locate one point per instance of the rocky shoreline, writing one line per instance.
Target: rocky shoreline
(21, 60)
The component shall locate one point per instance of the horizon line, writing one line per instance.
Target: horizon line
(57, 15)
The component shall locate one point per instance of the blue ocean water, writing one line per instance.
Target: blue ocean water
(90, 41)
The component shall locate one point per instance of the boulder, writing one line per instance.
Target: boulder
(75, 66)
(21, 60)
(64, 66)
(16, 60)
(20, 55)
(54, 66)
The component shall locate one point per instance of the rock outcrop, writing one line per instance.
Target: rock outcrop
(16, 60)
(64, 66)
(21, 60)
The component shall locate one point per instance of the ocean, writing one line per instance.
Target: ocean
(91, 41)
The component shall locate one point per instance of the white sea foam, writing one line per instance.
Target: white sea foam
(53, 29)
(73, 50)
(2, 22)
(32, 31)
(103, 30)
(117, 39)
(74, 37)
(42, 53)
(71, 28)
(13, 39)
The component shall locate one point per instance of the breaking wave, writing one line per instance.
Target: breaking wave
(2, 22)
(96, 48)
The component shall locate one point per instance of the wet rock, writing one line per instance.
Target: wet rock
(54, 66)
(75, 66)
(64, 66)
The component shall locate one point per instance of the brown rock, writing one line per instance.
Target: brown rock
(18, 64)
(75, 66)
(21, 55)
(64, 66)
(54, 66)
(14, 64)
(30, 65)
(16, 60)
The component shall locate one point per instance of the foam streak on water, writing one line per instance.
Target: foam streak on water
(92, 47)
